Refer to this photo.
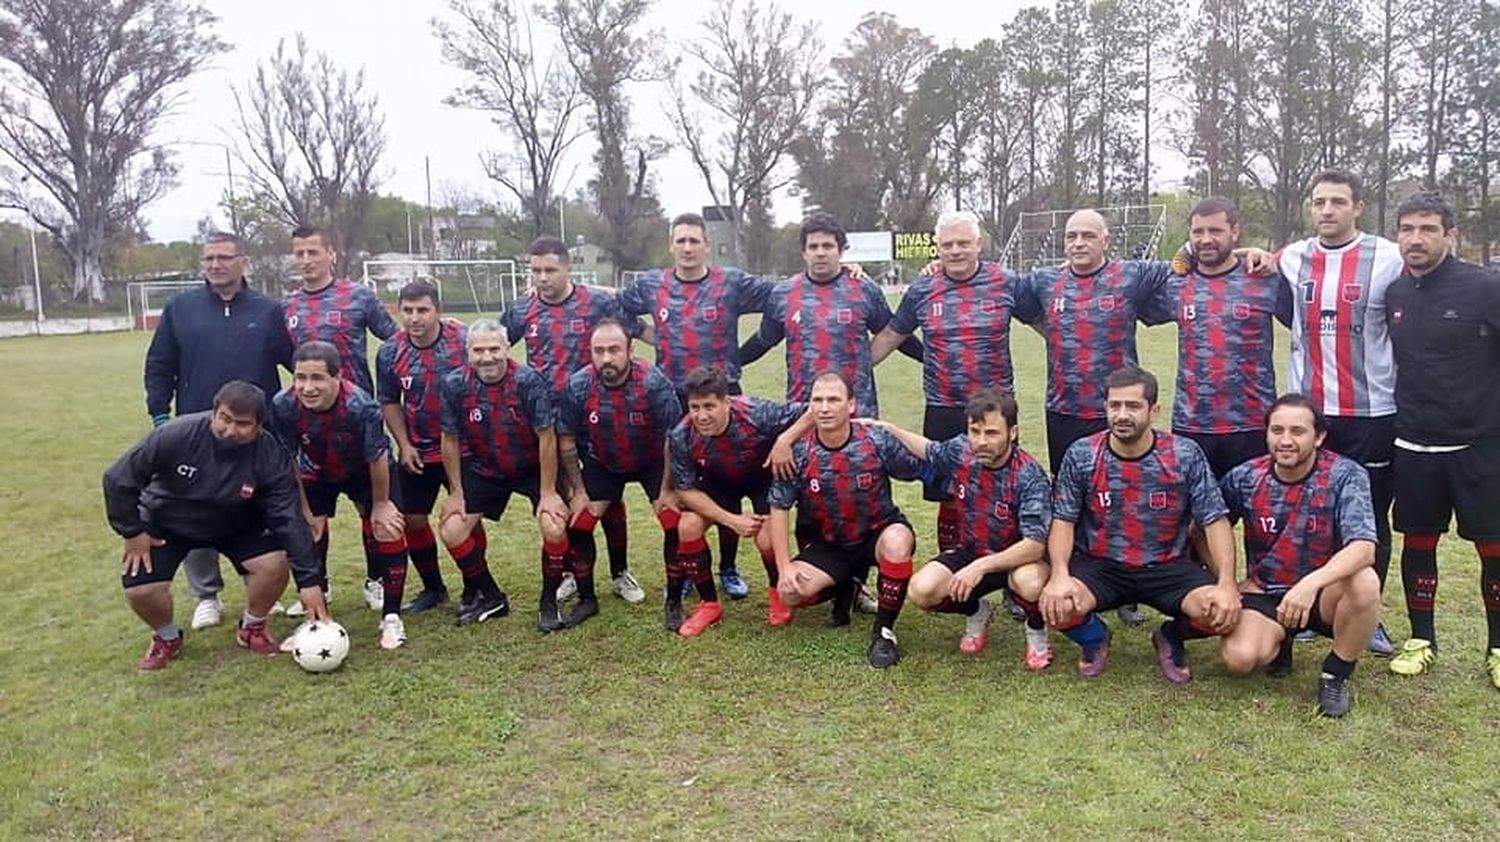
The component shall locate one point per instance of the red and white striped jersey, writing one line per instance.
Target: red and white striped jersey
(1341, 351)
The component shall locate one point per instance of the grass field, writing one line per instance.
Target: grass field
(619, 730)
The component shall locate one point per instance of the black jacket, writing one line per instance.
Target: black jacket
(203, 342)
(1445, 333)
(179, 481)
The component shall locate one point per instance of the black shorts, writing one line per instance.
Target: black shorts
(940, 423)
(323, 497)
(729, 497)
(1161, 586)
(1063, 430)
(488, 496)
(1433, 487)
(1267, 603)
(1226, 450)
(958, 558)
(604, 485)
(418, 492)
(842, 564)
(1369, 441)
(241, 546)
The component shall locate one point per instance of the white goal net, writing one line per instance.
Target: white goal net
(480, 286)
(1135, 232)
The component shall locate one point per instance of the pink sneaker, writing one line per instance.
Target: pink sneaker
(255, 638)
(159, 653)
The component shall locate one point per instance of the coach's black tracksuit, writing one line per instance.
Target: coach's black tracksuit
(182, 481)
(1445, 333)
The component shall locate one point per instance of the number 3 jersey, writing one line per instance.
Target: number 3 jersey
(999, 506)
(1293, 528)
(843, 494)
(1135, 512)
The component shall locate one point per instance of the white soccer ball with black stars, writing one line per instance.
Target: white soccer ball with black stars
(321, 646)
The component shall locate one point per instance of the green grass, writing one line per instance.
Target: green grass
(619, 730)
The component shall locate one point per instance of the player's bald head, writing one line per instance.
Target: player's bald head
(1087, 218)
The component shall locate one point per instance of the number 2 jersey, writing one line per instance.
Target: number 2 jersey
(557, 335)
(1293, 528)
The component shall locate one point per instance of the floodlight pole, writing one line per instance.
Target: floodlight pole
(36, 273)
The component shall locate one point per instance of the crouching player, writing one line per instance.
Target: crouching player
(1005, 508)
(1122, 505)
(1310, 549)
(846, 519)
(333, 428)
(719, 456)
(211, 479)
(498, 440)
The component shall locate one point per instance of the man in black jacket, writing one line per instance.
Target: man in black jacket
(207, 337)
(214, 480)
(1444, 318)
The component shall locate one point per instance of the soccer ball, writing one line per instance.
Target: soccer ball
(321, 646)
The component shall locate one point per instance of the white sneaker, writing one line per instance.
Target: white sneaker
(392, 631)
(977, 628)
(289, 642)
(295, 609)
(374, 594)
(1038, 650)
(276, 608)
(568, 589)
(864, 601)
(210, 612)
(628, 589)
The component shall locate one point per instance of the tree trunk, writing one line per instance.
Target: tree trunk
(88, 262)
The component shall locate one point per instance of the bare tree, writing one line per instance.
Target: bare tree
(757, 77)
(606, 51)
(312, 139)
(87, 84)
(533, 101)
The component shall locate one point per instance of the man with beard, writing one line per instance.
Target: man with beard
(1309, 547)
(612, 430)
(1123, 506)
(1226, 379)
(213, 479)
(1006, 504)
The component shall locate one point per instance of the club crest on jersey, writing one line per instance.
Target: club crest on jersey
(1106, 303)
(988, 306)
(406, 382)
(333, 317)
(1351, 292)
(577, 326)
(865, 482)
(1002, 510)
(637, 419)
(1157, 500)
(247, 490)
(844, 316)
(1241, 310)
(476, 415)
(710, 313)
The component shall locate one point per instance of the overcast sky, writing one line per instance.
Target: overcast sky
(403, 65)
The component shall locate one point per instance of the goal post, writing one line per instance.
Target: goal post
(144, 300)
(479, 286)
(1135, 232)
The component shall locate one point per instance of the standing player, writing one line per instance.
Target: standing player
(1122, 508)
(556, 324)
(1341, 348)
(1309, 547)
(338, 312)
(1005, 504)
(827, 317)
(718, 458)
(333, 429)
(846, 519)
(1226, 379)
(409, 371)
(498, 440)
(695, 314)
(963, 311)
(612, 429)
(211, 479)
(1444, 318)
(207, 337)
